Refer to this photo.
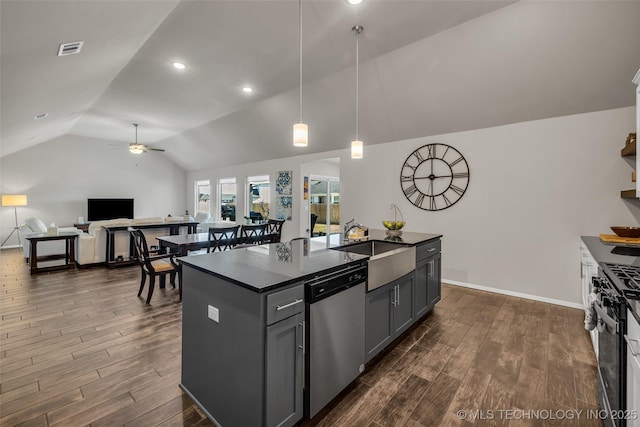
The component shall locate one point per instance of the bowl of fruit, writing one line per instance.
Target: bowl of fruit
(394, 226)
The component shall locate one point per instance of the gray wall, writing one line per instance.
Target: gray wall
(59, 176)
(535, 188)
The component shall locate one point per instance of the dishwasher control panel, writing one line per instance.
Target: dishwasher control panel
(331, 283)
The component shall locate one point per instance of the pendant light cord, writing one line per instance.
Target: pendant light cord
(300, 30)
(358, 29)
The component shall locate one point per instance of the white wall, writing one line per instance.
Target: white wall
(535, 188)
(59, 176)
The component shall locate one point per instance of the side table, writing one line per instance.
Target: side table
(69, 256)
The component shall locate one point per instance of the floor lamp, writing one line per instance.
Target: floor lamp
(14, 200)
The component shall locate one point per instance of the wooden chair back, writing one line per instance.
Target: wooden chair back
(254, 234)
(274, 230)
(222, 238)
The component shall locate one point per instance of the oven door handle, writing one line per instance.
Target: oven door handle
(603, 317)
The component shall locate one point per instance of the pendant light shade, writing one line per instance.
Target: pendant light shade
(357, 149)
(357, 146)
(300, 129)
(300, 135)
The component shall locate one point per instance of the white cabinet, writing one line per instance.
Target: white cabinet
(588, 269)
(633, 370)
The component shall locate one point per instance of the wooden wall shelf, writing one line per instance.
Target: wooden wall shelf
(628, 194)
(629, 150)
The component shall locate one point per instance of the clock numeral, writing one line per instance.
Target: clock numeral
(406, 178)
(419, 200)
(418, 156)
(432, 203)
(446, 200)
(461, 175)
(445, 152)
(456, 161)
(410, 190)
(432, 150)
(413, 168)
(456, 189)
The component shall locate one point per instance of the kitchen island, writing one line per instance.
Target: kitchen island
(243, 340)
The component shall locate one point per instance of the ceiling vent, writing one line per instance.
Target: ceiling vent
(70, 48)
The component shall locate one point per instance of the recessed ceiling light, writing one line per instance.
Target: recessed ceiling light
(179, 65)
(247, 89)
(40, 116)
(354, 1)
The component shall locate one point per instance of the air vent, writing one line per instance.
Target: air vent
(70, 48)
(40, 116)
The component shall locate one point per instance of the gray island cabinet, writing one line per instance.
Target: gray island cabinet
(391, 309)
(243, 331)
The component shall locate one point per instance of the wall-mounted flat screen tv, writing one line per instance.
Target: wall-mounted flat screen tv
(100, 209)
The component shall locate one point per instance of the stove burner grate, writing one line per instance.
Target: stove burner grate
(628, 274)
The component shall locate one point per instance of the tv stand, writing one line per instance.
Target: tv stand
(84, 226)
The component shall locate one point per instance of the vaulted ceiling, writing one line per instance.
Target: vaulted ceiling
(427, 68)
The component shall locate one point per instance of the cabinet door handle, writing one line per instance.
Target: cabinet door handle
(291, 304)
(393, 301)
(304, 338)
(398, 292)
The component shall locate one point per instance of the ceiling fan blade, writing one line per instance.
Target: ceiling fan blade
(154, 149)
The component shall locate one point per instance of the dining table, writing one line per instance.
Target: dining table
(181, 244)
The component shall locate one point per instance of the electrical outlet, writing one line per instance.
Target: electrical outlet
(213, 313)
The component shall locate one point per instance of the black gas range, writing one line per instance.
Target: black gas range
(617, 288)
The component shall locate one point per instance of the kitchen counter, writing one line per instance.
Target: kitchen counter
(408, 237)
(263, 268)
(267, 267)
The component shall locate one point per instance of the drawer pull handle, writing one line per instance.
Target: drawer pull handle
(431, 250)
(291, 304)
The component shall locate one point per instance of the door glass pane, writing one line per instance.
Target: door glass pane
(258, 193)
(324, 207)
(203, 196)
(227, 199)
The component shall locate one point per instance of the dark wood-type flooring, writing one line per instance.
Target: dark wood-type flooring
(79, 348)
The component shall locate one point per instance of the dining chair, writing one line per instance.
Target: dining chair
(222, 238)
(154, 264)
(274, 230)
(254, 234)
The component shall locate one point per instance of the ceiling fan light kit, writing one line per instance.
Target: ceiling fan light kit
(137, 148)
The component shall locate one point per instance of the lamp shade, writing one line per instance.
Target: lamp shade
(14, 200)
(357, 149)
(300, 135)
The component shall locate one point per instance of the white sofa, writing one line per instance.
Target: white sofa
(34, 225)
(91, 247)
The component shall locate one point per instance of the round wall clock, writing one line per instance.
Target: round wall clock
(434, 177)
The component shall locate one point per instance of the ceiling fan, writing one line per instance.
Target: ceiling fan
(137, 148)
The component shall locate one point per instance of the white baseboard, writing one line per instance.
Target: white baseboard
(11, 247)
(515, 294)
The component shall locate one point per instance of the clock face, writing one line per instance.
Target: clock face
(434, 177)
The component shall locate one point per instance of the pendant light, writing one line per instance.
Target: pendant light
(136, 148)
(300, 129)
(357, 146)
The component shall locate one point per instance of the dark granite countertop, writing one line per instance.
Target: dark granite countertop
(408, 237)
(267, 267)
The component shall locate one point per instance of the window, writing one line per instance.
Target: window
(258, 196)
(227, 199)
(203, 196)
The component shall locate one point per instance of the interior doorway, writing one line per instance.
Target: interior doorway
(324, 207)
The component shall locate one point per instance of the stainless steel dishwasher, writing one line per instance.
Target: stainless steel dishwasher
(334, 334)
